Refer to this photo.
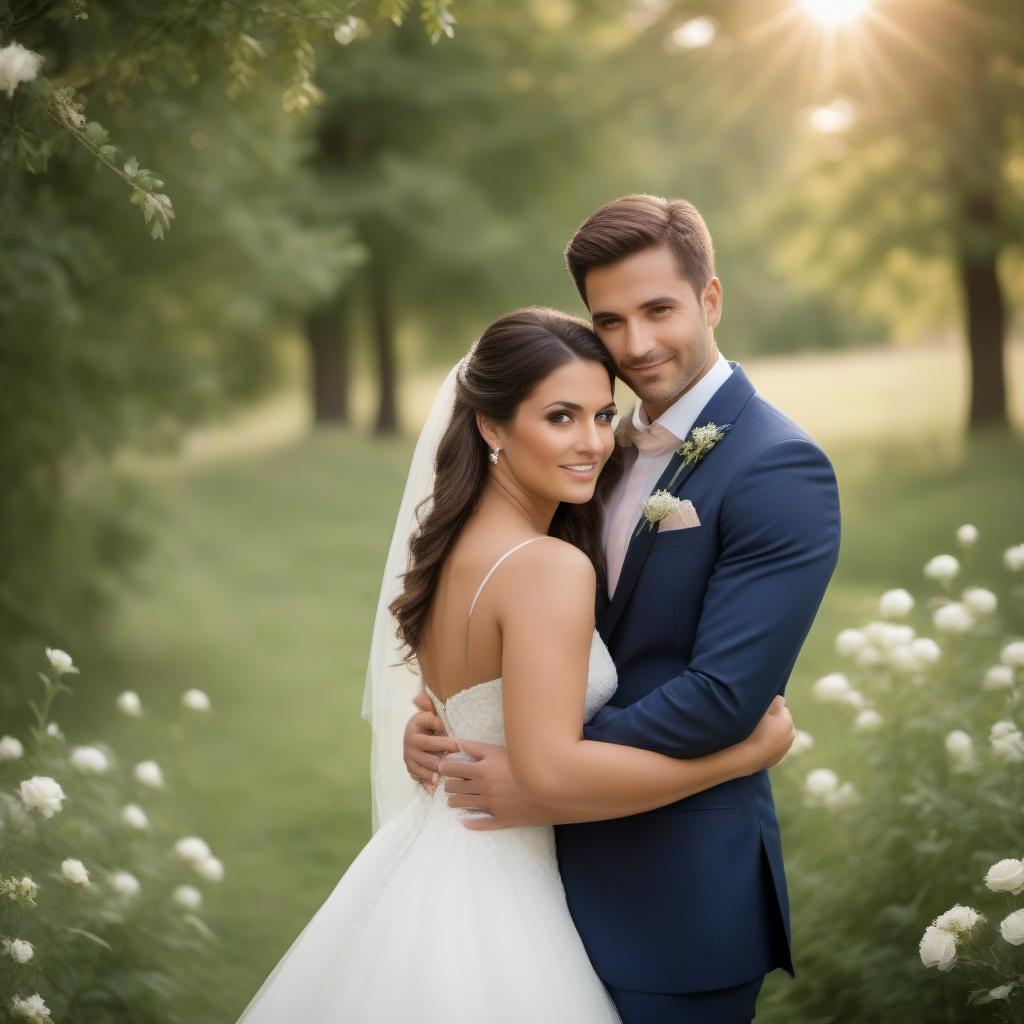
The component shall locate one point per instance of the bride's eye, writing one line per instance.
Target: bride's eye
(552, 419)
(607, 416)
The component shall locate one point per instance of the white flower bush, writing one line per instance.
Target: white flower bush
(95, 896)
(925, 778)
(129, 704)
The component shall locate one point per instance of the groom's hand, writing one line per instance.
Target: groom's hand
(486, 784)
(425, 743)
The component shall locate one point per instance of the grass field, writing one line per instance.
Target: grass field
(262, 581)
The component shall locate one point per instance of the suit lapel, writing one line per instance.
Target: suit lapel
(724, 406)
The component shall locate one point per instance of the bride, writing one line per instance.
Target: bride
(434, 921)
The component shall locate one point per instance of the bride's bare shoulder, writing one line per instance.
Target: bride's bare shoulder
(553, 567)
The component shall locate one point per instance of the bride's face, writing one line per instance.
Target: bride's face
(561, 435)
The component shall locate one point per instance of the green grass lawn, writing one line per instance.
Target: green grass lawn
(260, 589)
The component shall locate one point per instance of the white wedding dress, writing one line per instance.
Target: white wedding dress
(476, 921)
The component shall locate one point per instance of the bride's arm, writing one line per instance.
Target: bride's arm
(547, 623)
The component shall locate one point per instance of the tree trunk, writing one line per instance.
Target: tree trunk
(985, 314)
(379, 287)
(329, 364)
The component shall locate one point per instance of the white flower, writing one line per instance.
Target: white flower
(10, 748)
(60, 660)
(1007, 742)
(1012, 928)
(89, 760)
(43, 794)
(212, 869)
(926, 650)
(74, 871)
(867, 720)
(853, 699)
(149, 774)
(996, 993)
(841, 796)
(53, 729)
(1013, 654)
(953, 618)
(348, 30)
(658, 506)
(192, 849)
(129, 703)
(1006, 876)
(875, 632)
(1013, 558)
(134, 816)
(832, 688)
(959, 921)
(17, 65)
(942, 567)
(188, 896)
(32, 1008)
(868, 657)
(894, 636)
(27, 887)
(967, 535)
(125, 883)
(19, 950)
(802, 741)
(998, 677)
(849, 642)
(937, 948)
(895, 604)
(195, 700)
(979, 600)
(959, 744)
(819, 785)
(960, 748)
(904, 659)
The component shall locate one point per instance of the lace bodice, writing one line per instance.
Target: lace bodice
(476, 712)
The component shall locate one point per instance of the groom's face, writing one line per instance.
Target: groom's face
(658, 330)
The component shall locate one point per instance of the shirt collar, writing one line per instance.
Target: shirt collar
(679, 417)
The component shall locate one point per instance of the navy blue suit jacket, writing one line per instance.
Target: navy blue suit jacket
(705, 625)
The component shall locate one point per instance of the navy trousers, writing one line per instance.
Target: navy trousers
(720, 1006)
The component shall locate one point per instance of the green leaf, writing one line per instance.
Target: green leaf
(96, 134)
(90, 936)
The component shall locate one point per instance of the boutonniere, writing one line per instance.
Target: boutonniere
(659, 505)
(697, 445)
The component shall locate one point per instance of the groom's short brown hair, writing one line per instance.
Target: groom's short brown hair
(633, 223)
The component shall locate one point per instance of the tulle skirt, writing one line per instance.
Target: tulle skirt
(433, 922)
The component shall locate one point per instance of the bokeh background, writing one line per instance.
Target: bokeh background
(243, 242)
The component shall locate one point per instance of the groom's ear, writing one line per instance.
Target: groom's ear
(712, 300)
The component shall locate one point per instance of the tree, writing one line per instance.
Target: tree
(927, 120)
(114, 340)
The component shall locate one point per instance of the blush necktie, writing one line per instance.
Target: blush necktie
(651, 443)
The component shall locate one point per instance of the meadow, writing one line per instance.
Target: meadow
(262, 579)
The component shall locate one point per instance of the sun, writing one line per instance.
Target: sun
(835, 12)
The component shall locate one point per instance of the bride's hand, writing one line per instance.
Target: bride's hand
(424, 744)
(773, 736)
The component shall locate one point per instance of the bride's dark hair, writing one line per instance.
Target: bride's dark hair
(512, 356)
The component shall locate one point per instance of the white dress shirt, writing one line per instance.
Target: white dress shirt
(679, 419)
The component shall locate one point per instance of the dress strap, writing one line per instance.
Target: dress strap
(483, 583)
(490, 572)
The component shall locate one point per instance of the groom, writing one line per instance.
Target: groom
(683, 910)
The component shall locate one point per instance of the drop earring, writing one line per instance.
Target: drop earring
(494, 456)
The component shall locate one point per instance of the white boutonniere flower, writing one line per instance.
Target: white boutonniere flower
(658, 506)
(697, 445)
